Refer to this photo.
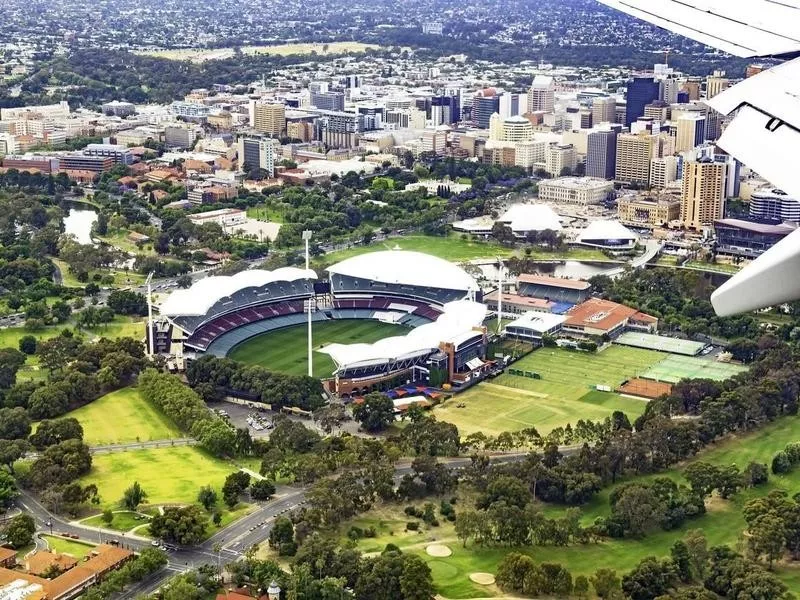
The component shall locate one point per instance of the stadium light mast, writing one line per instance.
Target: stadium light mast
(150, 347)
(500, 280)
(306, 238)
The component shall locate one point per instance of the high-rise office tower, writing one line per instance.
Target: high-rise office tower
(483, 107)
(634, 153)
(328, 100)
(257, 152)
(702, 193)
(517, 129)
(601, 155)
(604, 110)
(542, 94)
(268, 117)
(690, 131)
(663, 171)
(716, 83)
(669, 89)
(495, 127)
(560, 158)
(642, 90)
(445, 110)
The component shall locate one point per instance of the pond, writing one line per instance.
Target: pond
(79, 220)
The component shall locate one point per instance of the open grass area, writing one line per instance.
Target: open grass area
(285, 350)
(122, 278)
(674, 368)
(168, 475)
(123, 416)
(123, 521)
(565, 393)
(202, 55)
(262, 212)
(451, 247)
(120, 327)
(715, 267)
(723, 524)
(492, 409)
(72, 547)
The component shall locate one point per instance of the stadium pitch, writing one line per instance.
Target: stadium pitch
(285, 351)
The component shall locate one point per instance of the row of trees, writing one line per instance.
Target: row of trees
(187, 409)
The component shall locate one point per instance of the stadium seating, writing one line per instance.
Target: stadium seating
(343, 285)
(223, 344)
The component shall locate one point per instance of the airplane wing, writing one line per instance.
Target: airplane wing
(743, 28)
(764, 132)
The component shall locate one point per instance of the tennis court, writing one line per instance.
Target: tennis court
(660, 342)
(674, 368)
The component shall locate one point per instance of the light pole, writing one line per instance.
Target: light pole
(500, 280)
(150, 346)
(306, 238)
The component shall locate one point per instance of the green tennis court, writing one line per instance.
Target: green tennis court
(674, 368)
(660, 342)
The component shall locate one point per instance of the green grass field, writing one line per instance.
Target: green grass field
(123, 521)
(123, 416)
(565, 393)
(723, 524)
(674, 368)
(76, 549)
(285, 351)
(451, 248)
(168, 475)
(201, 55)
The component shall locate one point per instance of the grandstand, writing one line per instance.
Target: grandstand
(432, 297)
(555, 289)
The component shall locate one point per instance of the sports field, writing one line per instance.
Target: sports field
(168, 475)
(674, 368)
(123, 416)
(285, 350)
(450, 247)
(565, 393)
(660, 342)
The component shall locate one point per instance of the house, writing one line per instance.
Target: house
(8, 557)
(44, 563)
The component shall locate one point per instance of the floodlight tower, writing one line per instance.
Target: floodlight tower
(150, 345)
(500, 280)
(306, 238)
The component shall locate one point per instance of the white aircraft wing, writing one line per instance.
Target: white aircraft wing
(764, 134)
(740, 27)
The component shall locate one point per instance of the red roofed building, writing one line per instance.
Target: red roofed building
(597, 317)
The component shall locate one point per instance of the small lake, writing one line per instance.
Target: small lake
(79, 220)
(574, 269)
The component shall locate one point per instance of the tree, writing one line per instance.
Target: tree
(375, 413)
(20, 530)
(107, 516)
(126, 302)
(651, 578)
(281, 538)
(637, 508)
(262, 490)
(605, 582)
(11, 361)
(184, 281)
(207, 497)
(27, 344)
(767, 537)
(682, 560)
(47, 402)
(50, 433)
(8, 490)
(581, 587)
(235, 484)
(180, 524)
(697, 547)
(133, 496)
(416, 582)
(14, 423)
(756, 473)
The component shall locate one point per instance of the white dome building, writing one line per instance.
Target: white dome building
(609, 235)
(524, 218)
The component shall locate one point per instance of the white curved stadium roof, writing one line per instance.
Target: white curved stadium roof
(606, 230)
(454, 325)
(404, 267)
(202, 295)
(531, 217)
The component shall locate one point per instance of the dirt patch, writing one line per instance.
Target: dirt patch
(482, 578)
(438, 550)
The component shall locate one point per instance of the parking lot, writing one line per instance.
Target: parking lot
(260, 422)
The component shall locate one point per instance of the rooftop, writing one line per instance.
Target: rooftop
(577, 183)
(756, 227)
(597, 313)
(537, 321)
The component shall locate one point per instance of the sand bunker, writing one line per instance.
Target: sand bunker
(438, 550)
(482, 578)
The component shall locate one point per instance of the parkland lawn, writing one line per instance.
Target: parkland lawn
(71, 547)
(286, 351)
(123, 416)
(451, 247)
(722, 524)
(565, 393)
(171, 475)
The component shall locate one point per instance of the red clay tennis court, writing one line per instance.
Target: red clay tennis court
(646, 388)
